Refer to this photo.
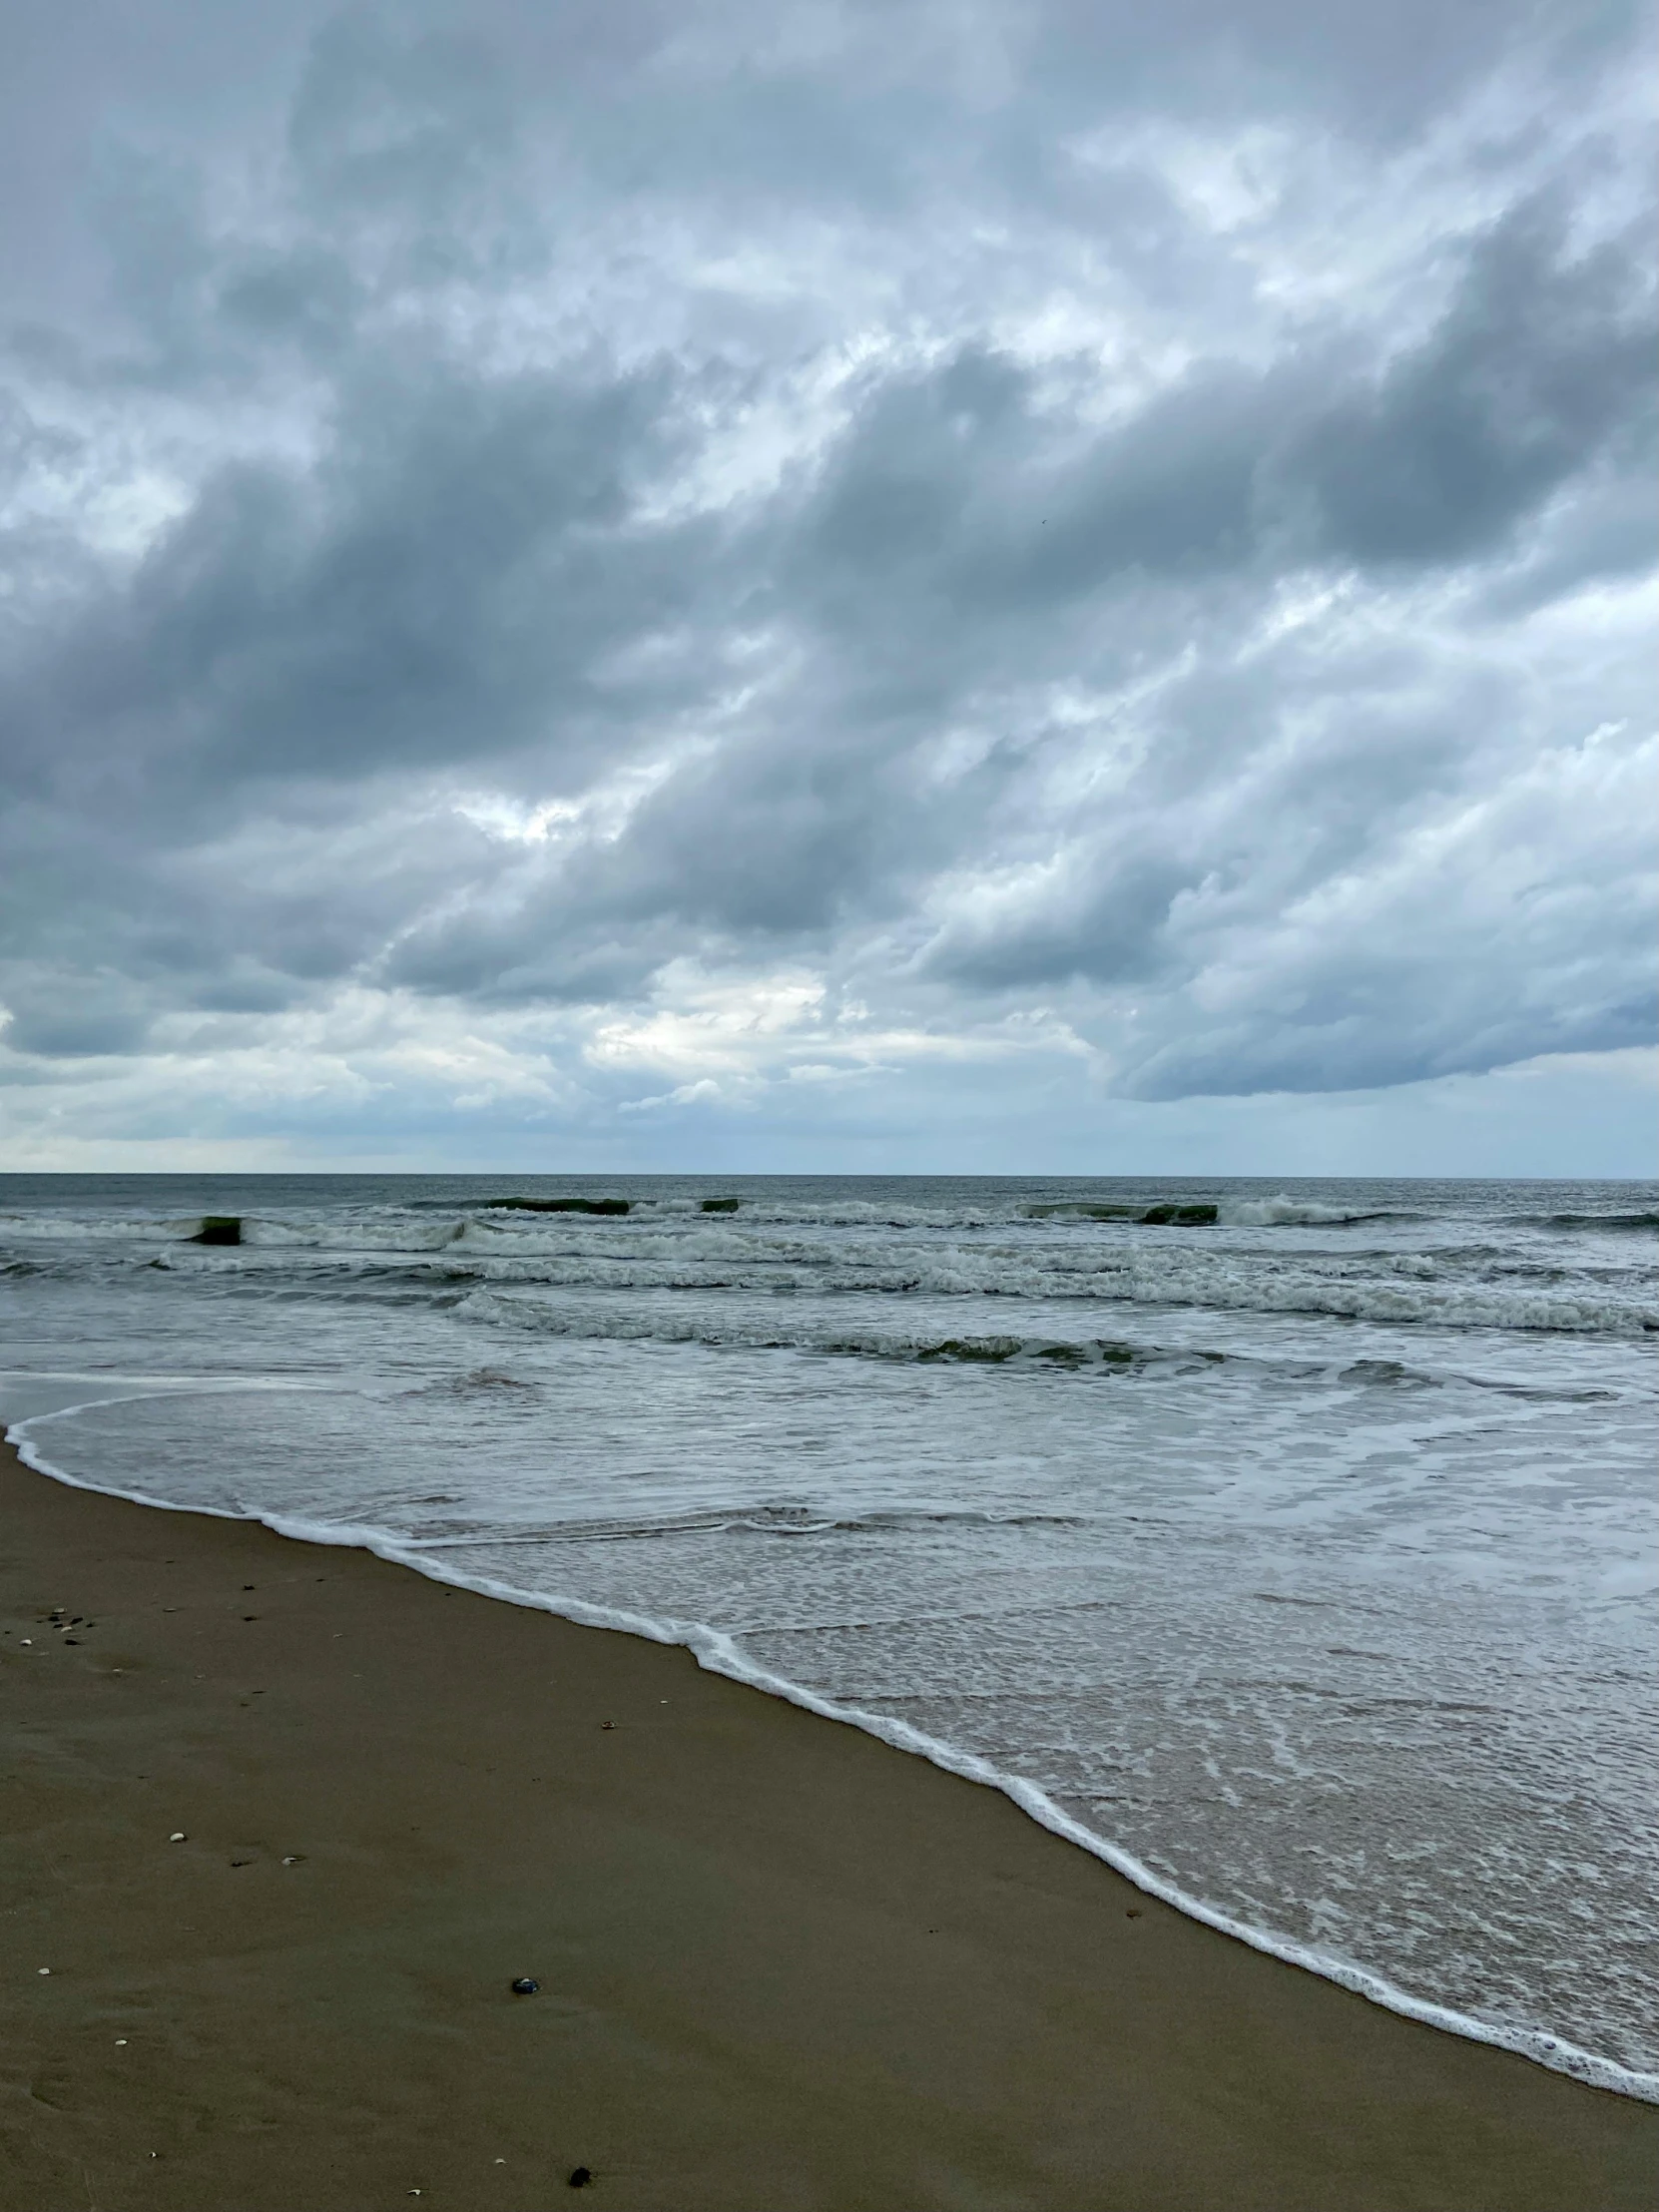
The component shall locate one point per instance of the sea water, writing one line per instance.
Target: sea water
(1291, 1547)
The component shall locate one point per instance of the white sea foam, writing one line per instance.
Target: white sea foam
(1280, 1211)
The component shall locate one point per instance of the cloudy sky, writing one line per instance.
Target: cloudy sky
(864, 584)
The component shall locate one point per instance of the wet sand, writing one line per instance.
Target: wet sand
(781, 1964)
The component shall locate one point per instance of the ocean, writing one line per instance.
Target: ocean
(1292, 1546)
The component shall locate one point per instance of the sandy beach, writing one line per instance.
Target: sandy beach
(285, 1823)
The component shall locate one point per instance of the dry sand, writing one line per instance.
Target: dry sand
(781, 1964)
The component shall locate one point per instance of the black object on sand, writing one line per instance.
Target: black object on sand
(524, 1987)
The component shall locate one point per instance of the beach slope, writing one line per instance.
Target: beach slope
(781, 1964)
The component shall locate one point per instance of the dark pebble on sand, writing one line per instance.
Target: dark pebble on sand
(524, 1987)
(580, 2178)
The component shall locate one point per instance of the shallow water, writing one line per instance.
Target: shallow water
(1302, 1559)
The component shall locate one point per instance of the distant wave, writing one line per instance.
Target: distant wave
(1390, 1288)
(1590, 1221)
(1298, 1213)
(1085, 1354)
(510, 1219)
(879, 1343)
(509, 1216)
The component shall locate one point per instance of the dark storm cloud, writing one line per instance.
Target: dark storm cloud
(1541, 364)
(445, 580)
(646, 434)
(954, 483)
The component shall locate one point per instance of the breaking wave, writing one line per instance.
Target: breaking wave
(1389, 1300)
(1591, 1221)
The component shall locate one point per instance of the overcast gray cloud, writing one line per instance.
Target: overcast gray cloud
(585, 570)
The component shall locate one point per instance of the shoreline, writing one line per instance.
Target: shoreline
(782, 1963)
(715, 1654)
